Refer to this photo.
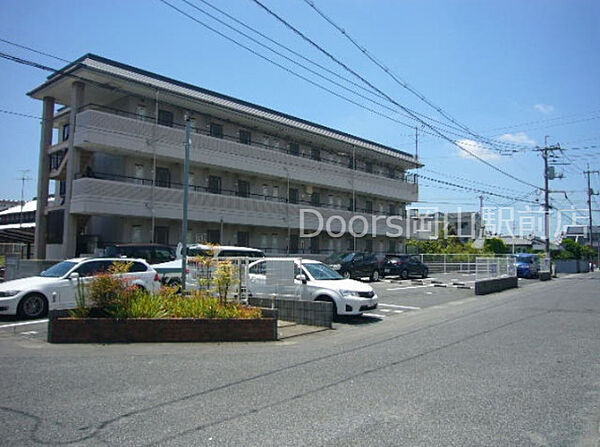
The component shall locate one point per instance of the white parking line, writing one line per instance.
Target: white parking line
(397, 311)
(400, 307)
(410, 287)
(373, 315)
(24, 323)
(385, 310)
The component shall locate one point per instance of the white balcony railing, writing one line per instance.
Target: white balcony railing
(97, 130)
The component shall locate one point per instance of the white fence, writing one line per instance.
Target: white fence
(464, 263)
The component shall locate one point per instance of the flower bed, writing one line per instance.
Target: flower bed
(135, 330)
(122, 313)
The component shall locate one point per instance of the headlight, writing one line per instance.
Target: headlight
(9, 293)
(336, 266)
(348, 292)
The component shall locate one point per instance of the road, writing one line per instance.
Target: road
(520, 367)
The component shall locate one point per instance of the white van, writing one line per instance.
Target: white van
(170, 272)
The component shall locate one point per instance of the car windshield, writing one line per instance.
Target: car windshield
(321, 271)
(58, 270)
(336, 258)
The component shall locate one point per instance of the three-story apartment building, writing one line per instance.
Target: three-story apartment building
(112, 146)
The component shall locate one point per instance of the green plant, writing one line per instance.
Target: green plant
(140, 304)
(81, 310)
(224, 277)
(108, 290)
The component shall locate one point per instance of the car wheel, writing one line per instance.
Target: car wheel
(425, 273)
(33, 305)
(346, 275)
(375, 275)
(404, 274)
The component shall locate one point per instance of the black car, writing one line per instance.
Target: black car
(355, 265)
(404, 266)
(152, 253)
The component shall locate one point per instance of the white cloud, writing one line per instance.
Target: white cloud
(544, 108)
(517, 138)
(477, 149)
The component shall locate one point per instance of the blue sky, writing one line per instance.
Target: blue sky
(512, 70)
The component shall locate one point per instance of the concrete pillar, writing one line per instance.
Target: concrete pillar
(73, 166)
(41, 219)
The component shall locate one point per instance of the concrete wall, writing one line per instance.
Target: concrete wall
(572, 266)
(313, 313)
(21, 268)
(493, 285)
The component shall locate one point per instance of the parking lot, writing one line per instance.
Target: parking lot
(397, 298)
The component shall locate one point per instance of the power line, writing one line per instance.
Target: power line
(33, 50)
(415, 117)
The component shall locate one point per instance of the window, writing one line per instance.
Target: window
(369, 206)
(136, 233)
(216, 130)
(65, 132)
(265, 192)
(391, 246)
(369, 244)
(294, 149)
(314, 245)
(369, 166)
(161, 235)
(93, 268)
(54, 231)
(214, 184)
(162, 255)
(293, 195)
(259, 268)
(276, 192)
(165, 118)
(163, 177)
(139, 174)
(294, 243)
(213, 236)
(351, 162)
(191, 182)
(315, 153)
(245, 137)
(392, 209)
(350, 204)
(392, 172)
(140, 112)
(315, 199)
(243, 189)
(243, 238)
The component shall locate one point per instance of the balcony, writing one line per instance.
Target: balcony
(129, 197)
(100, 130)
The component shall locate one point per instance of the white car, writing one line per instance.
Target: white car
(56, 288)
(170, 271)
(315, 281)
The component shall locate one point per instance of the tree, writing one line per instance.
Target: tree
(495, 245)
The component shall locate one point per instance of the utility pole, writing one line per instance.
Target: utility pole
(184, 222)
(482, 229)
(416, 143)
(23, 179)
(590, 193)
(546, 150)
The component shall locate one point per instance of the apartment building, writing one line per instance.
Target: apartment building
(112, 152)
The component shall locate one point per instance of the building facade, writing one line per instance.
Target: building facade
(112, 149)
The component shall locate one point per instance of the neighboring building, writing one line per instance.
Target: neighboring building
(581, 234)
(4, 204)
(466, 226)
(117, 168)
(17, 226)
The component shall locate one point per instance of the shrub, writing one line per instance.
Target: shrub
(108, 290)
(140, 304)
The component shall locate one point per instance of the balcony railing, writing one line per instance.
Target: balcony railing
(324, 156)
(220, 191)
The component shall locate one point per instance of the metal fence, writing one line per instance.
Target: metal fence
(454, 262)
(495, 267)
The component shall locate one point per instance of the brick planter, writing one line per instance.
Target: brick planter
(109, 330)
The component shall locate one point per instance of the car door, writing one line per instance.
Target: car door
(358, 265)
(257, 279)
(68, 289)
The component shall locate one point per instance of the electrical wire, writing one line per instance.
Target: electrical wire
(415, 117)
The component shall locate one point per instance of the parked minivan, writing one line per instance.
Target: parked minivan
(151, 253)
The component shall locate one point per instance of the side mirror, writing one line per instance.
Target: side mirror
(74, 275)
(302, 278)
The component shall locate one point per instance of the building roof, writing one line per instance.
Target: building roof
(100, 64)
(581, 230)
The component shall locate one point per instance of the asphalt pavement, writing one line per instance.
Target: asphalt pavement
(520, 367)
